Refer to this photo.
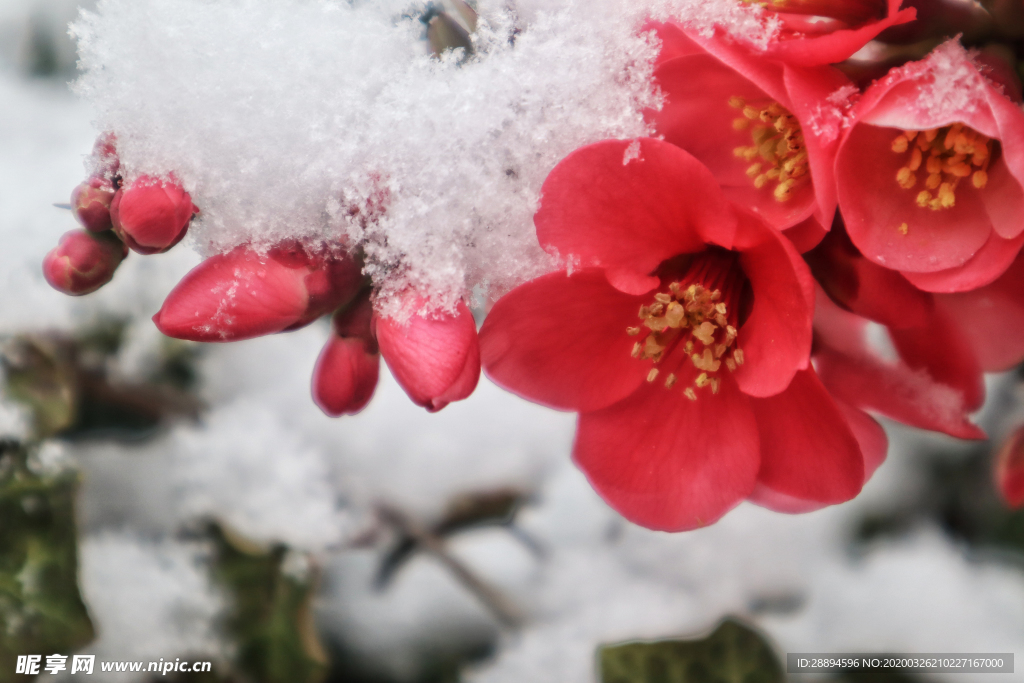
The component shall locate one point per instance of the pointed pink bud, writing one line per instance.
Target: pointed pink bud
(244, 294)
(1009, 469)
(151, 215)
(83, 262)
(436, 359)
(90, 202)
(346, 372)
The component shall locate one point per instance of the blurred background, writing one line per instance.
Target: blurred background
(166, 500)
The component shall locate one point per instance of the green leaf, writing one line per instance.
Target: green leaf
(40, 374)
(41, 608)
(733, 653)
(270, 619)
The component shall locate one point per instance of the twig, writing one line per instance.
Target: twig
(500, 606)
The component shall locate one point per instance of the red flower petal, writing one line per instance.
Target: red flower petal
(435, 359)
(697, 117)
(940, 348)
(993, 318)
(561, 341)
(669, 463)
(806, 235)
(838, 46)
(1009, 469)
(865, 288)
(776, 338)
(857, 376)
(611, 208)
(808, 450)
(985, 266)
(873, 446)
(874, 207)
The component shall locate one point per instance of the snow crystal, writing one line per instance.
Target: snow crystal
(328, 120)
(832, 116)
(949, 87)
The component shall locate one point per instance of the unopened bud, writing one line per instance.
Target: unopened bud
(244, 293)
(83, 261)
(151, 215)
(435, 358)
(346, 372)
(90, 202)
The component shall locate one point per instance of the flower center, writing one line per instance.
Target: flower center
(778, 142)
(945, 156)
(696, 314)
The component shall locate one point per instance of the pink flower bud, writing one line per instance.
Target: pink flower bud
(83, 262)
(345, 375)
(1009, 469)
(435, 359)
(151, 215)
(90, 202)
(244, 294)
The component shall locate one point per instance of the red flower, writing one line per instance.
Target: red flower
(757, 124)
(244, 293)
(931, 176)
(151, 215)
(708, 398)
(345, 375)
(83, 262)
(829, 31)
(1009, 469)
(434, 357)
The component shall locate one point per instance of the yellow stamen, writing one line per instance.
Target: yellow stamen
(949, 154)
(903, 229)
(778, 141)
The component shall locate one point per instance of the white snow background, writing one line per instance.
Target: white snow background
(267, 462)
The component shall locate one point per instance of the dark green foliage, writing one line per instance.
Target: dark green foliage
(41, 609)
(270, 619)
(733, 653)
(64, 383)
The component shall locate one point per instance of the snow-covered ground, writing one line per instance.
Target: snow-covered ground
(265, 461)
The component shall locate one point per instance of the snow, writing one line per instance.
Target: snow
(149, 600)
(295, 118)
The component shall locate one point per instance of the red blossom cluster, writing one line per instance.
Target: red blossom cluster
(731, 277)
(728, 279)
